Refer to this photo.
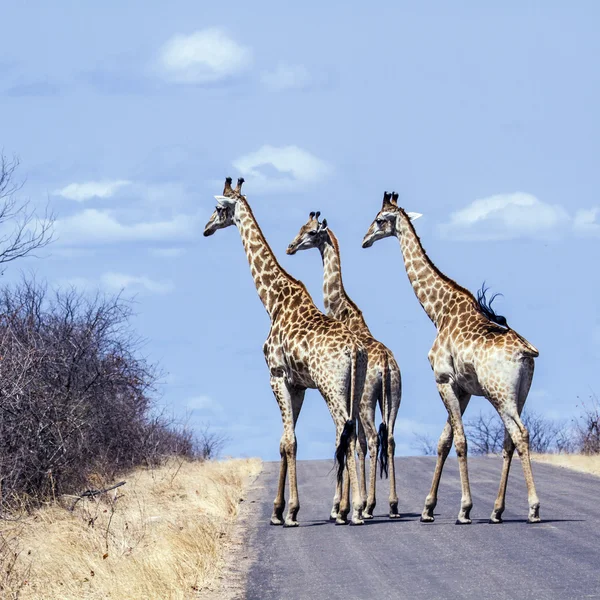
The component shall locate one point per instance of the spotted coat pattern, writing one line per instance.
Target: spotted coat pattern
(304, 349)
(383, 381)
(471, 355)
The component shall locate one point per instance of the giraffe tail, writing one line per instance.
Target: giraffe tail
(341, 451)
(349, 429)
(383, 428)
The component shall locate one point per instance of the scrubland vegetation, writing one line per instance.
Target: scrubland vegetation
(161, 535)
(101, 495)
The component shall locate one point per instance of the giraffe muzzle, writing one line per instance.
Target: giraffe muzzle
(291, 250)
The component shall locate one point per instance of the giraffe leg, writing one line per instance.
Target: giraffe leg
(335, 509)
(362, 452)
(357, 503)
(367, 435)
(456, 401)
(350, 480)
(520, 437)
(395, 396)
(507, 454)
(344, 504)
(373, 441)
(517, 435)
(290, 403)
(279, 502)
(443, 449)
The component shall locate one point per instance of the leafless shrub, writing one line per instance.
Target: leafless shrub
(424, 444)
(22, 232)
(210, 443)
(486, 434)
(76, 397)
(587, 427)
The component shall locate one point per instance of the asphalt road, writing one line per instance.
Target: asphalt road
(558, 558)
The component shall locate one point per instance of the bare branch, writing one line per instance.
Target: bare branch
(28, 233)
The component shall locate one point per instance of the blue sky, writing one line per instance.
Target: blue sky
(484, 117)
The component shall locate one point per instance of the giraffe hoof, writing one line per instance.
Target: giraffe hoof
(357, 522)
(534, 520)
(291, 524)
(367, 515)
(463, 521)
(427, 518)
(341, 521)
(495, 520)
(276, 521)
(396, 515)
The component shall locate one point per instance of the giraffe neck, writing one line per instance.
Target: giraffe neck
(337, 302)
(269, 277)
(437, 293)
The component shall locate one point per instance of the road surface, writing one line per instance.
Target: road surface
(385, 559)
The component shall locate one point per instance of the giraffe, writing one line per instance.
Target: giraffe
(383, 380)
(475, 353)
(304, 349)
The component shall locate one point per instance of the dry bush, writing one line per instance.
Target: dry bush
(485, 434)
(76, 396)
(161, 535)
(424, 444)
(587, 427)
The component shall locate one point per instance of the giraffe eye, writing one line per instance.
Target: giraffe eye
(312, 232)
(380, 221)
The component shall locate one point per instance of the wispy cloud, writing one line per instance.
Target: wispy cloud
(205, 406)
(285, 168)
(204, 56)
(286, 77)
(116, 282)
(92, 226)
(80, 192)
(133, 283)
(506, 216)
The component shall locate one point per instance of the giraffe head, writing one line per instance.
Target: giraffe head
(313, 234)
(384, 224)
(225, 209)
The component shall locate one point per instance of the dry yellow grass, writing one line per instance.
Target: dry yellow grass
(160, 536)
(577, 462)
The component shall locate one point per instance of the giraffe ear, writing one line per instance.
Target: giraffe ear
(413, 215)
(323, 225)
(225, 201)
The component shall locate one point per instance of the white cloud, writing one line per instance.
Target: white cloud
(506, 216)
(93, 226)
(203, 57)
(115, 282)
(167, 252)
(132, 283)
(286, 77)
(585, 221)
(294, 168)
(91, 189)
(204, 405)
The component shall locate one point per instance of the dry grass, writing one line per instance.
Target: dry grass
(159, 536)
(577, 462)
